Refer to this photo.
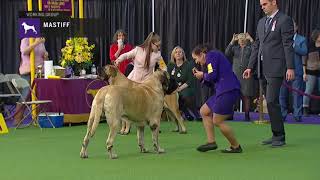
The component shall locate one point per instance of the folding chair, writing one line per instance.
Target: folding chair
(40, 105)
(8, 97)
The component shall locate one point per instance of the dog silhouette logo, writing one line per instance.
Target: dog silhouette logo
(29, 27)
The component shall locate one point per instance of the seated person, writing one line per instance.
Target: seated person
(41, 54)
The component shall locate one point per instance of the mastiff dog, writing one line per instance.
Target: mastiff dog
(111, 74)
(138, 103)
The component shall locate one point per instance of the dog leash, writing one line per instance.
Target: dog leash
(87, 88)
(300, 92)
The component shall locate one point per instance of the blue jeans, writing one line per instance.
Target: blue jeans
(297, 83)
(25, 91)
(311, 82)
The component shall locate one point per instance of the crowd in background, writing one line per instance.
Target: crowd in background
(238, 51)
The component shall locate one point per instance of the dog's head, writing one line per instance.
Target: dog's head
(107, 72)
(168, 84)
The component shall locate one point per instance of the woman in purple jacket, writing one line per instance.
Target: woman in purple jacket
(219, 106)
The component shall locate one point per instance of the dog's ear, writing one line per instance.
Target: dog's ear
(107, 71)
(173, 85)
(168, 83)
(102, 74)
(164, 79)
(111, 70)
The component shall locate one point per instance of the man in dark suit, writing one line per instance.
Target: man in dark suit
(272, 56)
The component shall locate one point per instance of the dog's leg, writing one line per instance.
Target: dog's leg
(93, 118)
(172, 105)
(179, 120)
(140, 136)
(171, 116)
(178, 116)
(84, 151)
(123, 126)
(112, 134)
(155, 137)
(127, 129)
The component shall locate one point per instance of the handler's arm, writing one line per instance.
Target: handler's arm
(129, 55)
(212, 72)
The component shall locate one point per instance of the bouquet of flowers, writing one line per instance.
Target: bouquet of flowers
(77, 54)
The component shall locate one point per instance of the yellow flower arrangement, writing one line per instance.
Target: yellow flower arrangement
(77, 54)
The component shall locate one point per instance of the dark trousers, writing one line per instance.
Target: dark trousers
(271, 90)
(188, 102)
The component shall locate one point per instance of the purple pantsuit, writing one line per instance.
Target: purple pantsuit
(227, 86)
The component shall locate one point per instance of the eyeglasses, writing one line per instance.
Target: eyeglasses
(157, 45)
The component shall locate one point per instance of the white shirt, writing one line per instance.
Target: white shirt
(274, 14)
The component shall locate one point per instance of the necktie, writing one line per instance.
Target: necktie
(266, 25)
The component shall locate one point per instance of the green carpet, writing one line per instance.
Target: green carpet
(30, 154)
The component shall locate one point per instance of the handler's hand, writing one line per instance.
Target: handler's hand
(290, 75)
(197, 74)
(116, 62)
(246, 74)
(46, 56)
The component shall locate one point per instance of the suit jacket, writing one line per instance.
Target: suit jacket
(274, 47)
(219, 72)
(300, 49)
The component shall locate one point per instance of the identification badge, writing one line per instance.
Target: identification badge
(210, 69)
(274, 25)
(173, 71)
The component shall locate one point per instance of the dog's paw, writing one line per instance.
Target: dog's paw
(175, 130)
(113, 156)
(160, 150)
(83, 155)
(143, 150)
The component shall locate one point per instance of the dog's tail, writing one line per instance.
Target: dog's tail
(96, 111)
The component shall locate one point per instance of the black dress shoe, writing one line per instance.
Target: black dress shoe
(247, 117)
(232, 150)
(274, 138)
(267, 141)
(278, 144)
(207, 147)
(284, 119)
(297, 119)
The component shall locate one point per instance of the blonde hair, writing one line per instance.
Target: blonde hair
(174, 51)
(242, 36)
(151, 39)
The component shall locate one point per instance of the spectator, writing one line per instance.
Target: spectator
(311, 68)
(300, 49)
(181, 70)
(239, 49)
(118, 47)
(41, 54)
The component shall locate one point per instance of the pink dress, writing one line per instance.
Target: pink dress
(39, 52)
(138, 56)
